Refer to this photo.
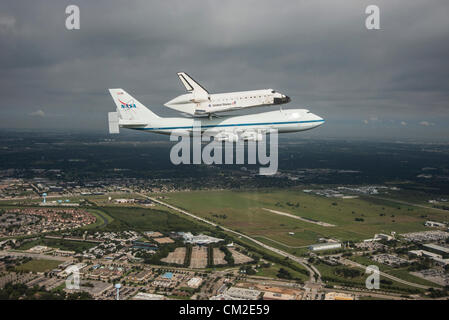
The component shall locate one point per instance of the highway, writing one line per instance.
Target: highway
(383, 274)
(406, 203)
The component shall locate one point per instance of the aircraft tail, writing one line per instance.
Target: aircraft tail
(130, 112)
(199, 93)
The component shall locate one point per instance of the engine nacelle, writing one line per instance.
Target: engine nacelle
(226, 137)
(251, 136)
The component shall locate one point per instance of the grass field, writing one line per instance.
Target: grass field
(40, 265)
(103, 219)
(273, 270)
(146, 219)
(400, 272)
(331, 277)
(242, 211)
(77, 246)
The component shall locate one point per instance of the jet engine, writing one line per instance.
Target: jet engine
(227, 137)
(251, 136)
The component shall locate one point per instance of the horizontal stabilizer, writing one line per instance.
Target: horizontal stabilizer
(132, 123)
(113, 122)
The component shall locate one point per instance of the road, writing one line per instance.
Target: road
(282, 244)
(320, 223)
(368, 293)
(34, 255)
(312, 270)
(386, 275)
(407, 203)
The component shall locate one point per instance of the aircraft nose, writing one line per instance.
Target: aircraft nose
(282, 99)
(319, 121)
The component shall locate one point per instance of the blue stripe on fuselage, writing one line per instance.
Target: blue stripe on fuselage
(231, 125)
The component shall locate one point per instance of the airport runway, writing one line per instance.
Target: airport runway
(320, 223)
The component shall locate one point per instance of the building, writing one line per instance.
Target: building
(325, 246)
(144, 245)
(243, 294)
(64, 253)
(96, 288)
(39, 249)
(148, 296)
(164, 240)
(140, 276)
(442, 262)
(124, 200)
(194, 282)
(434, 224)
(268, 295)
(72, 268)
(382, 236)
(444, 251)
(199, 239)
(423, 253)
(153, 234)
(339, 296)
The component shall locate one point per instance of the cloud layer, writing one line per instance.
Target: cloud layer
(318, 52)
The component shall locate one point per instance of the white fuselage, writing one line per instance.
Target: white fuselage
(220, 102)
(132, 114)
(238, 127)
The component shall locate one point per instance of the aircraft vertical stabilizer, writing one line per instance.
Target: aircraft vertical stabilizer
(131, 111)
(199, 93)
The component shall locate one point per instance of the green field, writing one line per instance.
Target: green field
(77, 246)
(242, 211)
(145, 219)
(103, 219)
(400, 272)
(328, 273)
(273, 270)
(40, 265)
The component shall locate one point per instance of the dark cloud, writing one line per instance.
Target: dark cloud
(318, 52)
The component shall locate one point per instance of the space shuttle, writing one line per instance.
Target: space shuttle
(132, 114)
(199, 102)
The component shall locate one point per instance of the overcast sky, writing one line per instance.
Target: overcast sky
(392, 82)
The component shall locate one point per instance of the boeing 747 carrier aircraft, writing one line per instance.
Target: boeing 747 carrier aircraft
(199, 102)
(132, 114)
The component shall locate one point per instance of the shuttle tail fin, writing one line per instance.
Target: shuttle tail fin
(199, 93)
